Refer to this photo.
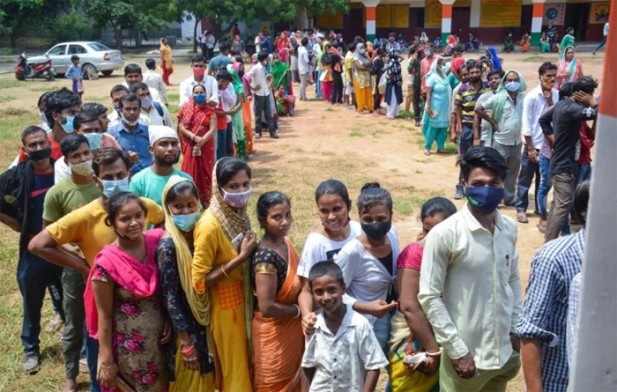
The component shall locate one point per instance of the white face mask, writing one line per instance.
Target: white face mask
(130, 123)
(43, 118)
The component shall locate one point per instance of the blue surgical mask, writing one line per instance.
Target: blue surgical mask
(427, 53)
(43, 118)
(146, 102)
(68, 126)
(94, 139)
(199, 98)
(513, 86)
(186, 222)
(111, 187)
(484, 198)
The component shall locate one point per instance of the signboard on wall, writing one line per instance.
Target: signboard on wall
(554, 14)
(462, 3)
(598, 13)
(432, 14)
(501, 13)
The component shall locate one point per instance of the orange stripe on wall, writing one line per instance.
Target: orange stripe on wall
(446, 11)
(608, 103)
(538, 10)
(371, 13)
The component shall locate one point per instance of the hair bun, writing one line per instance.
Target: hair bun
(370, 185)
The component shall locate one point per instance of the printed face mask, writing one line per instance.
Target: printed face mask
(82, 169)
(236, 200)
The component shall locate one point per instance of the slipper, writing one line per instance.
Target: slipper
(427, 152)
(83, 366)
(53, 325)
(541, 227)
(521, 217)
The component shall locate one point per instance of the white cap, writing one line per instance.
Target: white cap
(157, 132)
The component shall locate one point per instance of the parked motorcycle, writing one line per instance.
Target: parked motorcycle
(24, 71)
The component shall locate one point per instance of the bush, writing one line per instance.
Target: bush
(71, 26)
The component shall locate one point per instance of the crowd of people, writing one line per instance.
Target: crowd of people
(162, 285)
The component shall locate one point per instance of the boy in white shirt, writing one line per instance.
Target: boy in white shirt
(343, 348)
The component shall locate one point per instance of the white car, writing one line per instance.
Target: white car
(94, 57)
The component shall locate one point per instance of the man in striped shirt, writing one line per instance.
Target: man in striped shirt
(465, 104)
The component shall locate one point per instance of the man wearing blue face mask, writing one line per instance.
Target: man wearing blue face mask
(61, 108)
(156, 113)
(470, 286)
(507, 124)
(132, 135)
(86, 227)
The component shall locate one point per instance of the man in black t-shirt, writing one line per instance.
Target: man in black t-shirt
(566, 117)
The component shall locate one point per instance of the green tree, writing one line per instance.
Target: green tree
(124, 14)
(29, 14)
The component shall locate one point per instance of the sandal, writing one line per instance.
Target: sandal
(427, 152)
(54, 324)
(542, 226)
(521, 217)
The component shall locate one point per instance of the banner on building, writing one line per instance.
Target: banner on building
(432, 14)
(598, 14)
(554, 14)
(330, 21)
(501, 13)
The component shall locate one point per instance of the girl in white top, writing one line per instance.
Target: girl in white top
(369, 261)
(337, 230)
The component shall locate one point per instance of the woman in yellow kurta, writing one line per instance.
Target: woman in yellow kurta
(167, 60)
(223, 243)
(362, 80)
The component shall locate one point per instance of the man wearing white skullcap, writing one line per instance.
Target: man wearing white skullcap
(165, 150)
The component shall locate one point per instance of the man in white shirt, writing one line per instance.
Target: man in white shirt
(260, 85)
(604, 36)
(228, 98)
(114, 117)
(536, 102)
(157, 113)
(155, 80)
(198, 65)
(304, 67)
(132, 75)
(470, 287)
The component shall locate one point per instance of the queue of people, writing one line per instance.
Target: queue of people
(162, 285)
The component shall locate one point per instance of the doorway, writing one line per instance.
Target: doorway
(577, 16)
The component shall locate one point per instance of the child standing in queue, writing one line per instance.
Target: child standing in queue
(343, 354)
(74, 72)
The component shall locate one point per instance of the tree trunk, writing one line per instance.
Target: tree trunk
(197, 21)
(13, 41)
(138, 39)
(118, 37)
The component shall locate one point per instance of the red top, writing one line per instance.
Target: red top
(221, 121)
(587, 141)
(411, 257)
(56, 152)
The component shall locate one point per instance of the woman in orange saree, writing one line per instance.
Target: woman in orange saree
(278, 342)
(166, 61)
(247, 111)
(197, 128)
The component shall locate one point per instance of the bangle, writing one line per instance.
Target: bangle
(223, 270)
(188, 351)
(433, 355)
(298, 314)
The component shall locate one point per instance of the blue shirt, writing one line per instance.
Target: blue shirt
(137, 141)
(546, 308)
(219, 62)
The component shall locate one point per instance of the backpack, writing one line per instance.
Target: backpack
(159, 110)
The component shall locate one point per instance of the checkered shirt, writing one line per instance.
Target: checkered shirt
(575, 288)
(546, 306)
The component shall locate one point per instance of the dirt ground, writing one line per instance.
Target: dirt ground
(318, 143)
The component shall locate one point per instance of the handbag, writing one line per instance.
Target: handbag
(383, 81)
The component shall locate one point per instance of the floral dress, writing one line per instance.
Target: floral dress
(136, 329)
(178, 308)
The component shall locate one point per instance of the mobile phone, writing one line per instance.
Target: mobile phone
(237, 241)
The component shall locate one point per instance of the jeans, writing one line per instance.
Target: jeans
(74, 286)
(221, 143)
(584, 173)
(512, 155)
(528, 171)
(382, 333)
(318, 85)
(229, 140)
(337, 88)
(263, 108)
(465, 142)
(93, 355)
(563, 194)
(33, 276)
(602, 43)
(303, 81)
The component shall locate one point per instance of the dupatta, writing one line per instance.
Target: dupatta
(140, 279)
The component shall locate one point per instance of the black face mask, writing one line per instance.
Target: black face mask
(475, 80)
(377, 231)
(241, 73)
(40, 155)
